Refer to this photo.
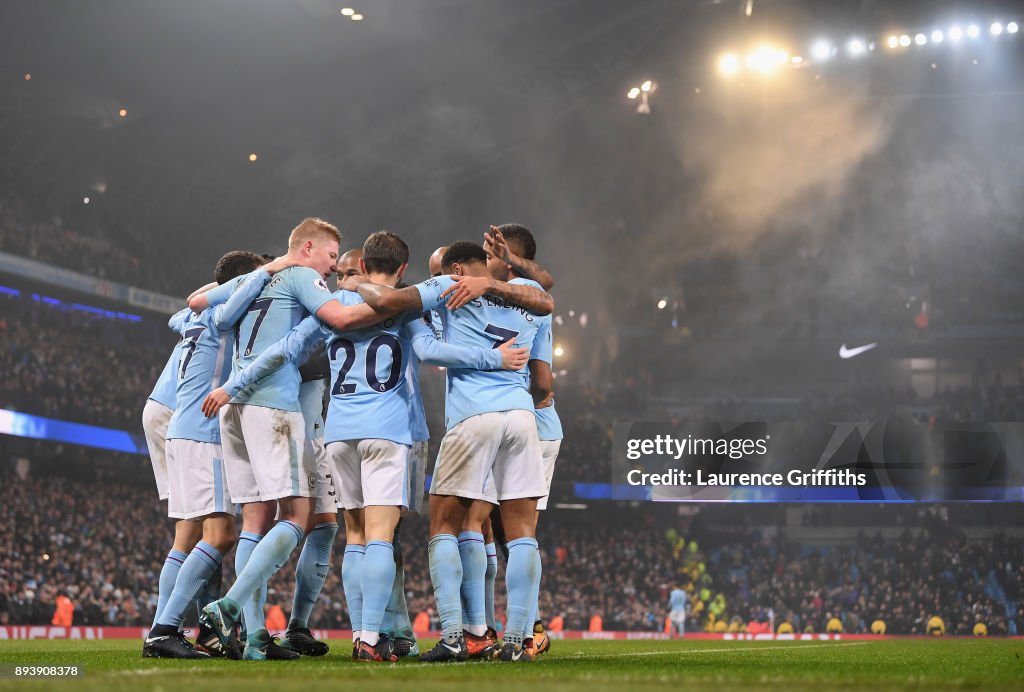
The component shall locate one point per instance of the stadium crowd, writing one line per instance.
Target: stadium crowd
(34, 231)
(59, 363)
(82, 538)
(902, 582)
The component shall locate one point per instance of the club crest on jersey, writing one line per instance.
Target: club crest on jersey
(320, 285)
(312, 480)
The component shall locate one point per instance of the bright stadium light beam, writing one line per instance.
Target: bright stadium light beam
(766, 59)
(892, 41)
(937, 36)
(904, 40)
(956, 33)
(920, 39)
(559, 351)
(646, 86)
(663, 303)
(633, 93)
(821, 49)
(996, 28)
(729, 65)
(973, 31)
(856, 47)
(1012, 28)
(347, 11)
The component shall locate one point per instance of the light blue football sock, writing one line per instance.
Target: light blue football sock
(311, 572)
(522, 577)
(211, 592)
(168, 575)
(252, 608)
(489, 577)
(474, 570)
(195, 572)
(534, 611)
(396, 616)
(446, 575)
(352, 583)
(377, 579)
(266, 558)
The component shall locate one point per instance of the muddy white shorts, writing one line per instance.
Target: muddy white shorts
(264, 454)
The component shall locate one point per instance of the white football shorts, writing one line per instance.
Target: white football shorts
(155, 419)
(198, 484)
(491, 457)
(264, 454)
(549, 453)
(371, 472)
(327, 497)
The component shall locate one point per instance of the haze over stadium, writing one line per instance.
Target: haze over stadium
(774, 220)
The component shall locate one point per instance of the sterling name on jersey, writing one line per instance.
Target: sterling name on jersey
(205, 365)
(164, 391)
(487, 321)
(290, 296)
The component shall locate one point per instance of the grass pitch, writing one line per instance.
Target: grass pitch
(571, 665)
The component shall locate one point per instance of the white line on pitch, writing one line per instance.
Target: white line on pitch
(681, 652)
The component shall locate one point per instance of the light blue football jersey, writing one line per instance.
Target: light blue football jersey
(549, 427)
(291, 295)
(369, 394)
(677, 600)
(353, 411)
(205, 365)
(417, 415)
(485, 322)
(164, 391)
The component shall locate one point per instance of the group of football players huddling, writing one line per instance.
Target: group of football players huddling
(285, 402)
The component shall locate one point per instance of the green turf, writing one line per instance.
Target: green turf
(572, 665)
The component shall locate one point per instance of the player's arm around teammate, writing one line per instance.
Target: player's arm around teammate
(465, 289)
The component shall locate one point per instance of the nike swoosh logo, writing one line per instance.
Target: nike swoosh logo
(517, 655)
(154, 640)
(851, 352)
(453, 649)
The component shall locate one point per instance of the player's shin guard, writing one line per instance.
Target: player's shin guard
(311, 572)
(474, 570)
(196, 571)
(446, 575)
(168, 575)
(252, 606)
(489, 577)
(378, 577)
(352, 583)
(523, 579)
(266, 558)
